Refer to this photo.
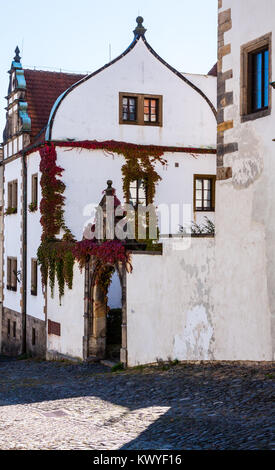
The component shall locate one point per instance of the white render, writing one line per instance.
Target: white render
(187, 121)
(170, 315)
(187, 118)
(69, 312)
(90, 111)
(94, 167)
(12, 234)
(35, 303)
(245, 216)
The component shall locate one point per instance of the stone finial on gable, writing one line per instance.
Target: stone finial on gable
(140, 30)
(17, 57)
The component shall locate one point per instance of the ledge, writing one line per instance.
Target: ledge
(146, 252)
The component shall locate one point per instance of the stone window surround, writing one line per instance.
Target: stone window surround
(140, 109)
(246, 49)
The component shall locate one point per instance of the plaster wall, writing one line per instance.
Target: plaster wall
(70, 314)
(87, 171)
(35, 304)
(170, 311)
(245, 217)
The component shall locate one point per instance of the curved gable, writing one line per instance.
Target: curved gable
(139, 69)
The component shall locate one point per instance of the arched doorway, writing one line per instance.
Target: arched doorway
(105, 325)
(114, 318)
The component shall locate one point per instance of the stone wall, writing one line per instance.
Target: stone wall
(36, 336)
(11, 343)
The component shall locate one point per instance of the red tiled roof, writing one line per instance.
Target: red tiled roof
(213, 71)
(43, 88)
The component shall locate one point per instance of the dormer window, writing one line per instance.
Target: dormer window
(140, 109)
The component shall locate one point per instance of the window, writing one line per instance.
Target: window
(259, 79)
(34, 191)
(12, 197)
(9, 327)
(33, 277)
(129, 112)
(143, 110)
(54, 328)
(14, 329)
(137, 192)
(204, 192)
(150, 110)
(33, 337)
(255, 78)
(12, 274)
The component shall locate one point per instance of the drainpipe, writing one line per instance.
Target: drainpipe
(24, 255)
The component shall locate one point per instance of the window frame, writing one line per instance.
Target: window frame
(212, 179)
(249, 50)
(129, 97)
(140, 97)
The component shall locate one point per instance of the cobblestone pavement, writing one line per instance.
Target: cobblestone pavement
(58, 405)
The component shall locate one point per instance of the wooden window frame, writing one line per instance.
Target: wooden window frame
(33, 276)
(12, 273)
(140, 109)
(212, 178)
(130, 121)
(247, 52)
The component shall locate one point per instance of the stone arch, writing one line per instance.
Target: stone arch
(95, 316)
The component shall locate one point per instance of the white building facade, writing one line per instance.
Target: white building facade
(136, 100)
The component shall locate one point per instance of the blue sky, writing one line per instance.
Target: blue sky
(75, 35)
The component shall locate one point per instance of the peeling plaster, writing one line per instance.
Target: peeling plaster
(194, 341)
(249, 164)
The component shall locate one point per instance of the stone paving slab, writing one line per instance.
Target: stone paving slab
(59, 405)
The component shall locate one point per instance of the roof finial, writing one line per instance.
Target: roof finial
(17, 57)
(140, 30)
(109, 190)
